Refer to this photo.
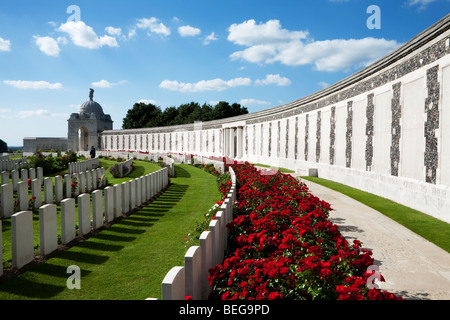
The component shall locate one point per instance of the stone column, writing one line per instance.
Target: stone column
(239, 141)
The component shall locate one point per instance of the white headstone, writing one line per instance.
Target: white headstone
(193, 272)
(97, 209)
(84, 214)
(47, 229)
(22, 238)
(68, 220)
(173, 285)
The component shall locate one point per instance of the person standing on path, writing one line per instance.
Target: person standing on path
(92, 152)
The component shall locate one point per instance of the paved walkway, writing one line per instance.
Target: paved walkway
(413, 267)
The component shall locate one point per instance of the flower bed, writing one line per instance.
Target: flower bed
(282, 246)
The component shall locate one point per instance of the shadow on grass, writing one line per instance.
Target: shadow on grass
(34, 283)
(181, 173)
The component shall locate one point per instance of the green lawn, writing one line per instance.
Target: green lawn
(130, 259)
(430, 228)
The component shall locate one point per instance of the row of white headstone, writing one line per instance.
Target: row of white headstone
(14, 164)
(192, 278)
(107, 205)
(80, 166)
(53, 192)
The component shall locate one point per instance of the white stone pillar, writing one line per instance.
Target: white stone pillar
(240, 140)
(231, 139)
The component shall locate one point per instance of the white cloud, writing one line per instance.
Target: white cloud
(34, 85)
(268, 43)
(323, 84)
(84, 36)
(205, 85)
(107, 84)
(113, 31)
(5, 45)
(48, 45)
(274, 79)
(147, 101)
(209, 38)
(249, 33)
(254, 102)
(41, 113)
(5, 113)
(153, 25)
(188, 31)
(421, 3)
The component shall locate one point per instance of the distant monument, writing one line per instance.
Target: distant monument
(83, 130)
(85, 126)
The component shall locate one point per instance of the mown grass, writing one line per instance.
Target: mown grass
(129, 259)
(428, 227)
(272, 167)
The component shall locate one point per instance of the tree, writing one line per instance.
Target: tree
(3, 146)
(141, 116)
(148, 116)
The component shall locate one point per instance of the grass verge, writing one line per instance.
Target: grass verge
(128, 260)
(428, 227)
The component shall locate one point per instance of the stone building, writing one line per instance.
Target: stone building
(84, 130)
(84, 127)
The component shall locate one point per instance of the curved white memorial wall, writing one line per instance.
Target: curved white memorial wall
(385, 129)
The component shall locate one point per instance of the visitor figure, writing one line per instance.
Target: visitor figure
(92, 152)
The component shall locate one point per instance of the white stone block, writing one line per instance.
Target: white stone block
(126, 197)
(48, 190)
(193, 272)
(48, 235)
(22, 195)
(24, 175)
(40, 175)
(84, 214)
(36, 193)
(109, 204)
(68, 220)
(82, 177)
(97, 209)
(118, 210)
(132, 189)
(173, 285)
(7, 200)
(58, 189)
(15, 179)
(22, 238)
(214, 227)
(220, 216)
(32, 174)
(206, 257)
(67, 183)
(137, 183)
(5, 177)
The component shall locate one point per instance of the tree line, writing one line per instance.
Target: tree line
(144, 115)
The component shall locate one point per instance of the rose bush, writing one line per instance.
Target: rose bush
(282, 246)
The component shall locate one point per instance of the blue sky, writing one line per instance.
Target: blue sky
(260, 53)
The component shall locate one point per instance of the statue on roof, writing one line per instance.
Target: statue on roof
(91, 94)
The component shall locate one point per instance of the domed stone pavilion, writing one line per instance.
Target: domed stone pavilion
(85, 126)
